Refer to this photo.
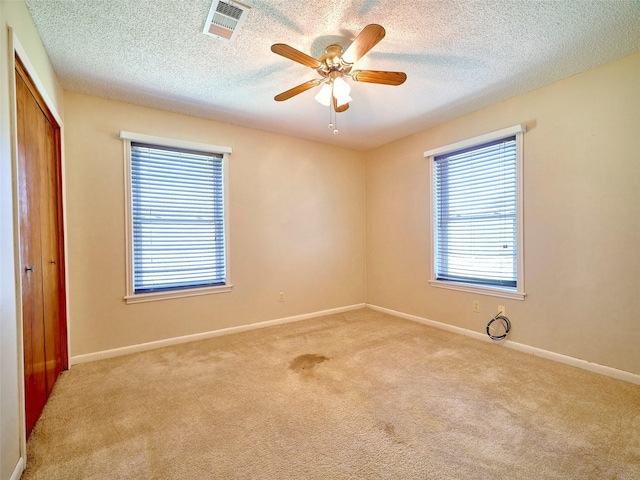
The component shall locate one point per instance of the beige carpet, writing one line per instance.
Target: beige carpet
(360, 395)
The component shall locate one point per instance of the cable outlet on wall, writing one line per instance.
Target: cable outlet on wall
(502, 310)
(281, 296)
(476, 306)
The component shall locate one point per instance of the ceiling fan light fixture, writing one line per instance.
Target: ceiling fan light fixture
(341, 90)
(324, 95)
(343, 99)
(340, 87)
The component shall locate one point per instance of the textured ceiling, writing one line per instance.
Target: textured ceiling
(459, 55)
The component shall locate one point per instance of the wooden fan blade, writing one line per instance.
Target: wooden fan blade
(384, 78)
(295, 55)
(338, 109)
(365, 41)
(303, 87)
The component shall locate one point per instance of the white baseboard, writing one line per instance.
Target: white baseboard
(116, 352)
(557, 357)
(17, 472)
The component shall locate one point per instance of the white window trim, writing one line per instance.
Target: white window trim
(519, 293)
(128, 137)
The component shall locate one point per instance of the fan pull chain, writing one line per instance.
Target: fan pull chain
(333, 124)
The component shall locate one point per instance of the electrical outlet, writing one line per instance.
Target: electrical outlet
(281, 297)
(502, 310)
(476, 306)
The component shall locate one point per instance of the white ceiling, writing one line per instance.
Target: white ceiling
(459, 56)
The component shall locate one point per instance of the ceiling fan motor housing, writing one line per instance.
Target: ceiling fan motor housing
(332, 62)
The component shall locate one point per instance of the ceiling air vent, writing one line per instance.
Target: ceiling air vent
(225, 19)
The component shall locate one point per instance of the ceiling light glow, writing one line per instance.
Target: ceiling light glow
(341, 90)
(324, 95)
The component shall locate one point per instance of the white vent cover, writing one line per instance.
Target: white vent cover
(225, 19)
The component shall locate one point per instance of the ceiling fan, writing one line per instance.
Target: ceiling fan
(337, 64)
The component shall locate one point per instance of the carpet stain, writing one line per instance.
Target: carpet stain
(305, 363)
(390, 430)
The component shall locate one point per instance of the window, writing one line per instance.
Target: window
(176, 230)
(476, 214)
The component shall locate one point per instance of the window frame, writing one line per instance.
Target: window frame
(127, 138)
(518, 293)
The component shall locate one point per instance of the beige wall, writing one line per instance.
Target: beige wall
(581, 219)
(14, 14)
(296, 225)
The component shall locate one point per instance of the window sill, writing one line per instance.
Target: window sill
(491, 291)
(152, 297)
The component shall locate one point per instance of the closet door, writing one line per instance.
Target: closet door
(50, 256)
(41, 252)
(31, 254)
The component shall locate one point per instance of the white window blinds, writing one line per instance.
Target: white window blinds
(475, 223)
(177, 205)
